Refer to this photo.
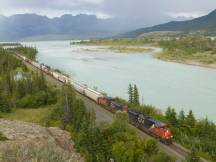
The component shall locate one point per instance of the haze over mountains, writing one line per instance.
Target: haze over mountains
(206, 24)
(32, 26)
(36, 27)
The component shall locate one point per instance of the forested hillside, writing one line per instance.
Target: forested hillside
(20, 87)
(198, 135)
(206, 24)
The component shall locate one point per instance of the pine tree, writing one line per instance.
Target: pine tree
(135, 96)
(67, 103)
(130, 93)
(171, 116)
(190, 120)
(181, 117)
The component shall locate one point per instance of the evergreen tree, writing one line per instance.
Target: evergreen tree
(181, 117)
(190, 120)
(171, 116)
(130, 93)
(68, 103)
(135, 96)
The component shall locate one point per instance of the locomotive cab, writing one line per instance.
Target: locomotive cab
(162, 132)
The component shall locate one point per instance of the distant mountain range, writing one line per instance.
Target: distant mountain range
(36, 27)
(32, 26)
(205, 24)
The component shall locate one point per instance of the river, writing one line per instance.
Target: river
(160, 83)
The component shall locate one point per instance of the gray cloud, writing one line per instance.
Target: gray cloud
(138, 12)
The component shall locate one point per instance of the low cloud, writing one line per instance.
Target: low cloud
(139, 13)
(186, 15)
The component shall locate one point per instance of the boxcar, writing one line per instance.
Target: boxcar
(92, 94)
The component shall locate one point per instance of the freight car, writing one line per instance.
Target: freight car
(112, 105)
(92, 94)
(79, 87)
(150, 126)
(140, 120)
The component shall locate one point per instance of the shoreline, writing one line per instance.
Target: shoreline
(191, 63)
(151, 50)
(120, 49)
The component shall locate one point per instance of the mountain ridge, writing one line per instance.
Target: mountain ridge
(206, 23)
(24, 26)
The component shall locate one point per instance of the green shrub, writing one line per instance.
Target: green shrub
(2, 137)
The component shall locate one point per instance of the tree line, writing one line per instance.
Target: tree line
(29, 52)
(106, 142)
(20, 87)
(198, 135)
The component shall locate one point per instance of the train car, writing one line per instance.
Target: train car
(150, 126)
(79, 88)
(62, 78)
(92, 94)
(115, 106)
(55, 75)
(35, 64)
(28, 61)
(104, 101)
(71, 81)
(67, 80)
(22, 57)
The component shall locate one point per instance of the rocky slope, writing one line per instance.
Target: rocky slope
(30, 142)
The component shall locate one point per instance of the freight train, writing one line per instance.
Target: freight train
(142, 121)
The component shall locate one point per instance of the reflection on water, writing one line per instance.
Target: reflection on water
(160, 83)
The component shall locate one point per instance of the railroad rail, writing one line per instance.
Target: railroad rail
(178, 149)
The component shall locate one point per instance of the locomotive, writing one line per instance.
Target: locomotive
(150, 126)
(142, 121)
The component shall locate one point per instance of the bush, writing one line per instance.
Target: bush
(37, 100)
(2, 137)
(162, 157)
(5, 104)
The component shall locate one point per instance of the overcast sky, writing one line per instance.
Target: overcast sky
(148, 12)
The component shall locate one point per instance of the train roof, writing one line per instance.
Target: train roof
(156, 122)
(133, 112)
(96, 92)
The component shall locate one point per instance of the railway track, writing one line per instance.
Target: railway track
(103, 115)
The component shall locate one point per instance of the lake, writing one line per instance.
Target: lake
(160, 83)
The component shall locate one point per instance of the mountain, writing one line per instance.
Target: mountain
(32, 26)
(205, 23)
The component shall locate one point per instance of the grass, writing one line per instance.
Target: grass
(199, 58)
(33, 115)
(2, 137)
(48, 152)
(133, 49)
(121, 49)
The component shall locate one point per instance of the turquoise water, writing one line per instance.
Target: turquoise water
(160, 83)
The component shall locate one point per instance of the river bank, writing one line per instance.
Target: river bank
(185, 62)
(192, 63)
(119, 49)
(145, 50)
(160, 83)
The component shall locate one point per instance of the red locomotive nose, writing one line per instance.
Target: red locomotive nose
(168, 134)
